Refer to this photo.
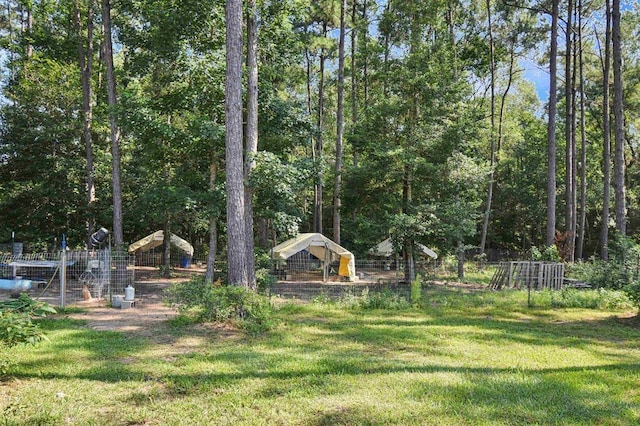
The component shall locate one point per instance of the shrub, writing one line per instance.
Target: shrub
(619, 272)
(221, 303)
(633, 292)
(16, 320)
(265, 281)
(16, 328)
(416, 291)
(385, 299)
(550, 254)
(587, 299)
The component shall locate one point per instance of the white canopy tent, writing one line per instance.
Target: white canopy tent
(156, 239)
(322, 248)
(386, 249)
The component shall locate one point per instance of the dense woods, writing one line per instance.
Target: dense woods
(245, 122)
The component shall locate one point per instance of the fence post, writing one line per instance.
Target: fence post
(63, 276)
(510, 273)
(541, 274)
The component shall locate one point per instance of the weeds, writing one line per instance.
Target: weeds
(221, 303)
(385, 299)
(587, 299)
(16, 320)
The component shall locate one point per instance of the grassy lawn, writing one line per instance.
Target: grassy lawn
(466, 357)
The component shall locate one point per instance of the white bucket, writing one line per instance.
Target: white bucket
(129, 293)
(116, 301)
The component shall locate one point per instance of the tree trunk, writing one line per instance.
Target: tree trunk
(114, 131)
(236, 233)
(166, 244)
(213, 226)
(618, 114)
(583, 144)
(574, 153)
(11, 38)
(85, 63)
(460, 256)
(340, 127)
(251, 136)
(354, 76)
(29, 28)
(365, 61)
(407, 196)
(569, 159)
(263, 232)
(492, 160)
(317, 210)
(606, 143)
(551, 127)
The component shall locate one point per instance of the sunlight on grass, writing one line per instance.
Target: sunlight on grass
(464, 357)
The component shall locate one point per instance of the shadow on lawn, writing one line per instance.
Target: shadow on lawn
(316, 368)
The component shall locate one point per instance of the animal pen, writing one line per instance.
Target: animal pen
(66, 277)
(528, 275)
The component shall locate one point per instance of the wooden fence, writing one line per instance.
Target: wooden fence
(533, 275)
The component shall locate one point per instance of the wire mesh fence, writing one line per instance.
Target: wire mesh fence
(302, 267)
(62, 278)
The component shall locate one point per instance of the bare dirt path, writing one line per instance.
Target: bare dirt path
(149, 314)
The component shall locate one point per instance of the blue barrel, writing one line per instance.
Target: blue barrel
(185, 261)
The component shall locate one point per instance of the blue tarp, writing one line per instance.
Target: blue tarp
(15, 285)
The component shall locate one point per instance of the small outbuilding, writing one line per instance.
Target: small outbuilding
(156, 239)
(321, 247)
(386, 249)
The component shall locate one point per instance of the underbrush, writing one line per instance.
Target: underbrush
(385, 299)
(600, 298)
(16, 320)
(17, 325)
(198, 301)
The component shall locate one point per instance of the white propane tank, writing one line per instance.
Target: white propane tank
(129, 293)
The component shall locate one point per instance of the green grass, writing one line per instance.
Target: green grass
(463, 358)
(473, 273)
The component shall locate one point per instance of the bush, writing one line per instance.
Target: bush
(385, 299)
(416, 291)
(16, 328)
(550, 254)
(620, 272)
(16, 320)
(587, 299)
(633, 292)
(265, 281)
(221, 303)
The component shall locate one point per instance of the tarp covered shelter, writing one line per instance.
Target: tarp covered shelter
(386, 249)
(156, 239)
(322, 248)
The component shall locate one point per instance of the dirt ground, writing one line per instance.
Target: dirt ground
(149, 313)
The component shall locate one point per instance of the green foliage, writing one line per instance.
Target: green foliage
(221, 303)
(550, 254)
(16, 320)
(416, 291)
(279, 187)
(17, 327)
(264, 280)
(27, 305)
(482, 356)
(588, 299)
(385, 299)
(633, 293)
(619, 272)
